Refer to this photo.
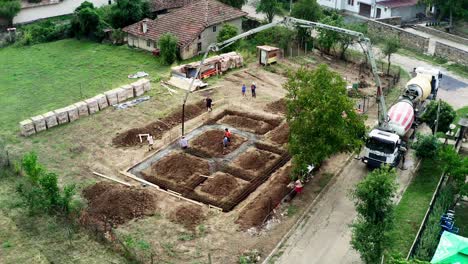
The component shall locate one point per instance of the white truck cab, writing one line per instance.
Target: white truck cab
(382, 147)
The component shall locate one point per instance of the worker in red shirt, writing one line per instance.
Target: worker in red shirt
(227, 134)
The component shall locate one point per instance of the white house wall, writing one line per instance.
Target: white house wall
(408, 13)
(62, 8)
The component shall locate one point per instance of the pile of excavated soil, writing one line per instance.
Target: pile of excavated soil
(179, 167)
(277, 107)
(211, 143)
(157, 128)
(112, 204)
(280, 135)
(256, 159)
(257, 211)
(221, 185)
(247, 123)
(189, 216)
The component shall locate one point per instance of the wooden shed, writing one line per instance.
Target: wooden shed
(267, 54)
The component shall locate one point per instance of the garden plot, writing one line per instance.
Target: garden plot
(209, 173)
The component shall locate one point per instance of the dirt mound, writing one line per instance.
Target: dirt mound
(221, 185)
(258, 210)
(112, 204)
(188, 215)
(180, 167)
(277, 107)
(157, 129)
(255, 159)
(247, 123)
(211, 143)
(280, 135)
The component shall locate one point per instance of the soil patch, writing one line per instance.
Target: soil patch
(254, 159)
(210, 143)
(258, 210)
(178, 167)
(246, 123)
(110, 204)
(277, 107)
(189, 216)
(157, 128)
(280, 135)
(221, 185)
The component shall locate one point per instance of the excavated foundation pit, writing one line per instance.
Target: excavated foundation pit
(209, 173)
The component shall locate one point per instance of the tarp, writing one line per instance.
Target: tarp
(452, 249)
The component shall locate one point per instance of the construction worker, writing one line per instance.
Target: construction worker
(183, 143)
(150, 140)
(209, 104)
(253, 88)
(243, 90)
(227, 134)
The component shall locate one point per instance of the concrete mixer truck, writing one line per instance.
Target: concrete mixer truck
(384, 144)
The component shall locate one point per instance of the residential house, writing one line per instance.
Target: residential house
(407, 9)
(50, 8)
(195, 25)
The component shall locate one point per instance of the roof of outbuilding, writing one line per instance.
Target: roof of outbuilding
(397, 3)
(187, 22)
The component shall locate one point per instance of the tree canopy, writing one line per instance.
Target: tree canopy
(9, 9)
(457, 9)
(321, 117)
(234, 3)
(446, 115)
(373, 201)
(228, 31)
(86, 22)
(127, 12)
(307, 9)
(327, 39)
(168, 47)
(270, 8)
(391, 45)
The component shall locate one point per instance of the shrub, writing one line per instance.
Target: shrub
(44, 31)
(278, 36)
(9, 9)
(446, 115)
(127, 12)
(228, 31)
(427, 146)
(168, 47)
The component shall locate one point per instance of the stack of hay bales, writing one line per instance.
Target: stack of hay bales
(84, 108)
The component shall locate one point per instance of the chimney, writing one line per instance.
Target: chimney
(144, 27)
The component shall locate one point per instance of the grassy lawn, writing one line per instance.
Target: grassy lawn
(410, 212)
(44, 77)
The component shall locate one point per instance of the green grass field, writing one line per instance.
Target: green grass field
(410, 212)
(43, 77)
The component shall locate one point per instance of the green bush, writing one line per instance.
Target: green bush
(168, 48)
(277, 36)
(427, 146)
(44, 31)
(228, 31)
(446, 115)
(40, 191)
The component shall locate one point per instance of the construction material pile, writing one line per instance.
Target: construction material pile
(84, 108)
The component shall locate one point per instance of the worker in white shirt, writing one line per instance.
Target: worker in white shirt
(183, 143)
(150, 142)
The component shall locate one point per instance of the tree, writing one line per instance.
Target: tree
(327, 39)
(427, 146)
(234, 3)
(127, 12)
(391, 45)
(446, 115)
(307, 10)
(373, 201)
(270, 8)
(346, 40)
(228, 31)
(321, 117)
(457, 8)
(9, 9)
(168, 47)
(86, 21)
(456, 167)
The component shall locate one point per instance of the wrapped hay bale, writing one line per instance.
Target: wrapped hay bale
(62, 115)
(92, 105)
(39, 123)
(82, 108)
(102, 101)
(27, 127)
(111, 96)
(128, 91)
(138, 88)
(72, 113)
(146, 84)
(50, 119)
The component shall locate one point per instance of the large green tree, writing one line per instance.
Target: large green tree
(270, 8)
(307, 10)
(452, 8)
(321, 117)
(327, 39)
(168, 47)
(446, 115)
(373, 201)
(456, 167)
(391, 45)
(234, 3)
(228, 31)
(127, 12)
(9, 9)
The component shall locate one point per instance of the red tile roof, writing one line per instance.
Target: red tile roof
(187, 22)
(397, 3)
(158, 5)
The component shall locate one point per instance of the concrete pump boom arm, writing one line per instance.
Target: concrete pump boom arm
(291, 22)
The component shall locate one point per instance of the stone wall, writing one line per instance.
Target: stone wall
(407, 39)
(451, 53)
(442, 34)
(84, 108)
(395, 21)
